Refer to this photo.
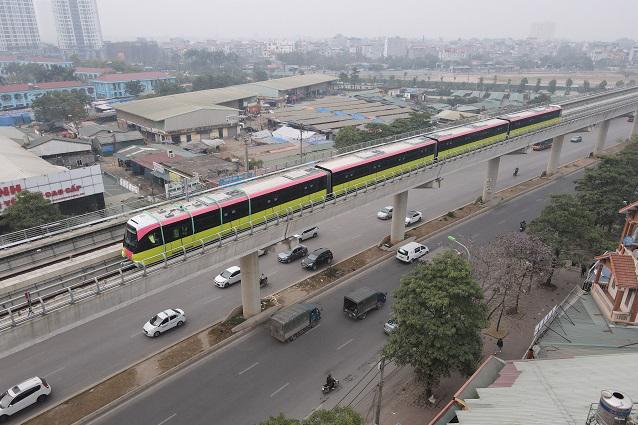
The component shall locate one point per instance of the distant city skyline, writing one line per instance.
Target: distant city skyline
(202, 19)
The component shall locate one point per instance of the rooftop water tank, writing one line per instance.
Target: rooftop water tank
(614, 408)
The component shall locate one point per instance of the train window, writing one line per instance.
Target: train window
(174, 233)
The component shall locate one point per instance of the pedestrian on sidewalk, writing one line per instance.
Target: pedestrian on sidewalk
(499, 344)
(583, 270)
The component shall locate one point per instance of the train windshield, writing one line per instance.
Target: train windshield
(130, 238)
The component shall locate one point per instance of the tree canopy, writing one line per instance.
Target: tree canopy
(30, 210)
(336, 416)
(61, 106)
(36, 73)
(440, 312)
(552, 86)
(134, 87)
(350, 136)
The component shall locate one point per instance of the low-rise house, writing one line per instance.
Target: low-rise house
(616, 296)
(111, 86)
(14, 96)
(69, 153)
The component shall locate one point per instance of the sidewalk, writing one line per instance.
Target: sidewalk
(402, 402)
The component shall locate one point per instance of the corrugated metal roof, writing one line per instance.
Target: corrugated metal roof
(161, 108)
(296, 81)
(18, 163)
(558, 391)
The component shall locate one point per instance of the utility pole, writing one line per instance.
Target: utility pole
(377, 414)
(300, 143)
(246, 152)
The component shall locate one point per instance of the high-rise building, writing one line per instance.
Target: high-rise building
(18, 25)
(78, 24)
(542, 30)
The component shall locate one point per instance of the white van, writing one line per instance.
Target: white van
(411, 251)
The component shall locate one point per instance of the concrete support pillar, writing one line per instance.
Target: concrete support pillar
(490, 180)
(399, 209)
(249, 266)
(602, 137)
(554, 155)
(634, 129)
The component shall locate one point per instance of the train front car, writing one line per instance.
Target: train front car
(169, 230)
(451, 141)
(355, 170)
(532, 119)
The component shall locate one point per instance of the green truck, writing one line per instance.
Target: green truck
(288, 323)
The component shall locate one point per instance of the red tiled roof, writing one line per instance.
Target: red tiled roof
(132, 76)
(48, 59)
(623, 268)
(629, 207)
(92, 70)
(8, 58)
(159, 157)
(9, 88)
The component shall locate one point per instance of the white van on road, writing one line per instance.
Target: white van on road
(411, 252)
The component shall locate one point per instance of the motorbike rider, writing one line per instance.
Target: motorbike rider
(330, 381)
(516, 171)
(523, 225)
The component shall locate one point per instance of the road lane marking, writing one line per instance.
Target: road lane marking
(167, 419)
(344, 344)
(248, 368)
(55, 371)
(280, 388)
(212, 300)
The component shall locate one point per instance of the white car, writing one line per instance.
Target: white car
(23, 395)
(390, 326)
(413, 217)
(163, 321)
(307, 234)
(228, 277)
(385, 213)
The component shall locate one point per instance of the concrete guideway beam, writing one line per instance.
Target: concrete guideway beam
(554, 155)
(490, 179)
(249, 266)
(602, 137)
(399, 210)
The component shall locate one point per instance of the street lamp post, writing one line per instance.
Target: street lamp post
(453, 239)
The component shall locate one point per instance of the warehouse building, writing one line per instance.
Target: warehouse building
(212, 114)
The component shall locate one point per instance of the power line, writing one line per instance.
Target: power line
(355, 385)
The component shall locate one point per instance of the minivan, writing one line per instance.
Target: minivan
(411, 251)
(317, 258)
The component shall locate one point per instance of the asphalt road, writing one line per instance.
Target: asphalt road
(259, 376)
(110, 340)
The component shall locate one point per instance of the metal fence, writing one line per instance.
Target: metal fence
(40, 301)
(11, 239)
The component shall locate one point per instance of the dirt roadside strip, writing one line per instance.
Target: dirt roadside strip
(96, 399)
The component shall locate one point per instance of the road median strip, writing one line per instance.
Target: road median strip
(96, 399)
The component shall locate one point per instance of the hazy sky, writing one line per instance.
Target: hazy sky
(202, 19)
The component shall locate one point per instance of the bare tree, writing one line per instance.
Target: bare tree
(508, 268)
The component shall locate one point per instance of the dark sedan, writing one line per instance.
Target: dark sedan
(295, 253)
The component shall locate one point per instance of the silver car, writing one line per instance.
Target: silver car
(390, 326)
(385, 213)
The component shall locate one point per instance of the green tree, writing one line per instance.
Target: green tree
(480, 83)
(30, 210)
(569, 83)
(259, 74)
(60, 106)
(568, 229)
(620, 83)
(440, 312)
(523, 84)
(540, 99)
(602, 85)
(165, 88)
(586, 85)
(348, 136)
(343, 77)
(632, 83)
(134, 87)
(604, 188)
(537, 87)
(336, 416)
(552, 86)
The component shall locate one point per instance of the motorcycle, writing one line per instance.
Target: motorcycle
(263, 280)
(325, 388)
(522, 226)
(515, 172)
